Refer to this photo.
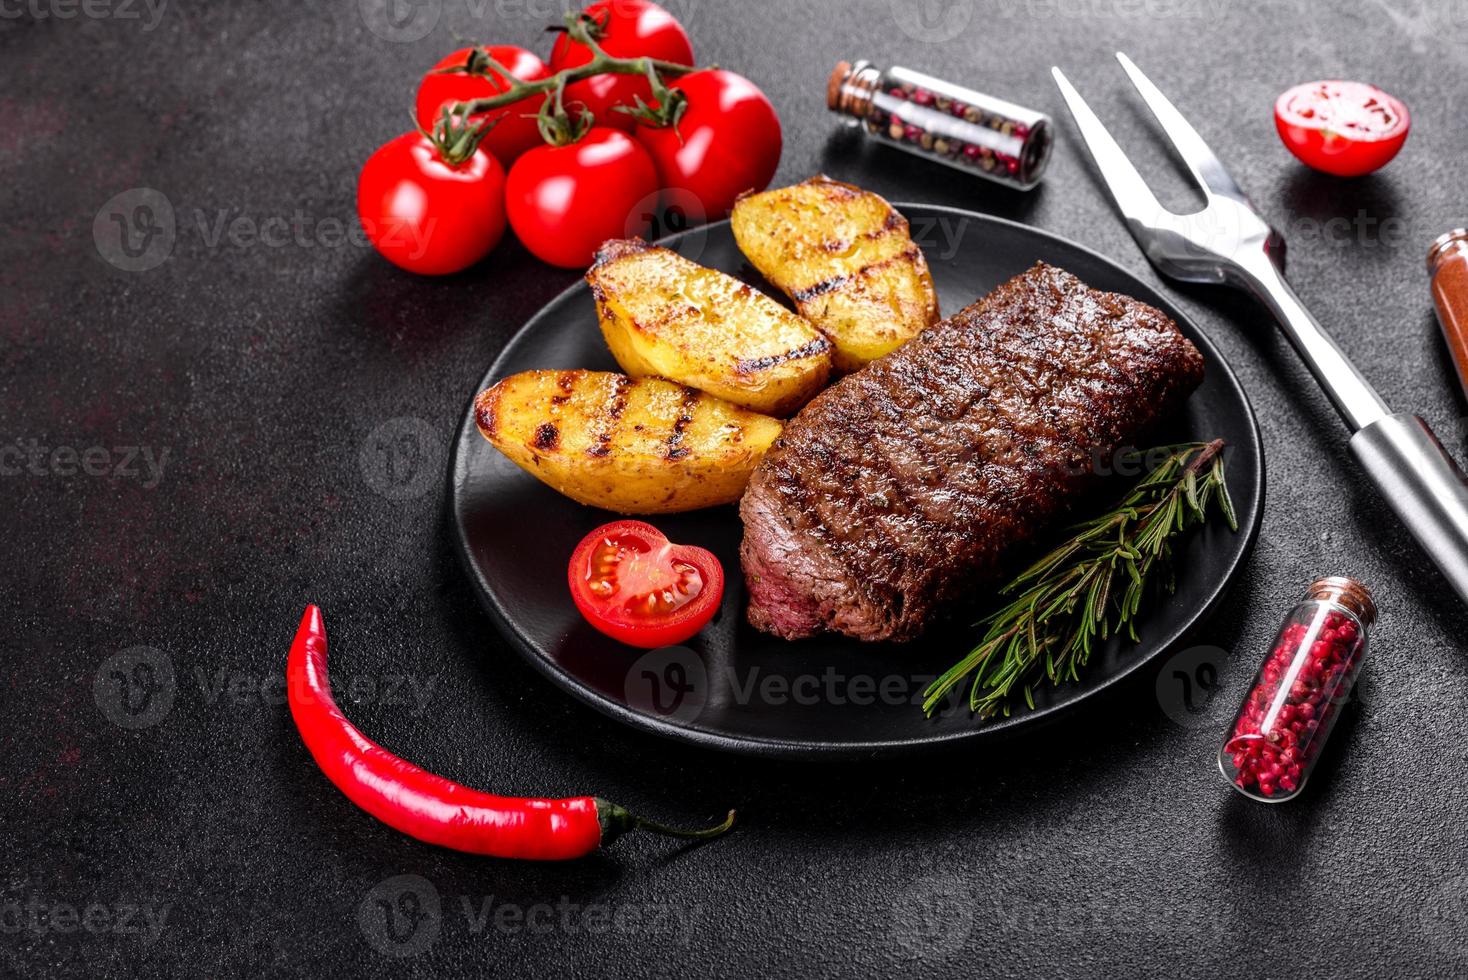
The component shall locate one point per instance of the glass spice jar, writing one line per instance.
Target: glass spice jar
(1447, 264)
(941, 121)
(1297, 695)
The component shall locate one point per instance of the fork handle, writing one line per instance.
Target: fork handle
(1423, 485)
(1414, 473)
(1354, 398)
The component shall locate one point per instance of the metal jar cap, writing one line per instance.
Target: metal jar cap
(1442, 243)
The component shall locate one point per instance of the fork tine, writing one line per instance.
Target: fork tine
(1131, 193)
(1206, 168)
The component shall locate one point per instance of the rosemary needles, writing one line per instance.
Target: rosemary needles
(1090, 587)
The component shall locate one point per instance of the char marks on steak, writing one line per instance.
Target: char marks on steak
(901, 489)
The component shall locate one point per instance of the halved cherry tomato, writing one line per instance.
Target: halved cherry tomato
(1342, 128)
(727, 141)
(629, 29)
(516, 131)
(635, 586)
(426, 215)
(564, 201)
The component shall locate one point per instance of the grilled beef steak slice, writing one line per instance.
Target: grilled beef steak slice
(900, 490)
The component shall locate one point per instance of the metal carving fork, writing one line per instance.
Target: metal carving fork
(1229, 242)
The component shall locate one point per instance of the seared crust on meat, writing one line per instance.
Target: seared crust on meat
(902, 488)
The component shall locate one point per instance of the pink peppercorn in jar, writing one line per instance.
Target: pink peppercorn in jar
(941, 121)
(1297, 695)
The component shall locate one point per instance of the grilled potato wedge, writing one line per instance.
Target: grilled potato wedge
(644, 446)
(847, 260)
(665, 316)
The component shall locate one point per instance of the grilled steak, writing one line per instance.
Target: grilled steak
(902, 488)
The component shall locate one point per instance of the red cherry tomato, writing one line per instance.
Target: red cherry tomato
(630, 29)
(635, 586)
(425, 215)
(727, 142)
(1343, 128)
(515, 132)
(564, 201)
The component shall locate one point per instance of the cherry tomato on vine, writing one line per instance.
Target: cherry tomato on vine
(514, 133)
(634, 585)
(1342, 128)
(727, 140)
(426, 215)
(564, 201)
(629, 29)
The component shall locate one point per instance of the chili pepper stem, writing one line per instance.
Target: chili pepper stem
(618, 820)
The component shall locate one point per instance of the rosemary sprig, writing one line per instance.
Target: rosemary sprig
(1091, 586)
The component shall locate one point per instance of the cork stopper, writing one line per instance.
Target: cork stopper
(1347, 593)
(1455, 240)
(839, 75)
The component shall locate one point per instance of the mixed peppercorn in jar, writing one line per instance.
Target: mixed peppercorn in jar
(945, 122)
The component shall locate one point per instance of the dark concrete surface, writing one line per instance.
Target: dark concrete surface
(270, 383)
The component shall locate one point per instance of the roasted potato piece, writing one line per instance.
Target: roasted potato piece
(644, 446)
(663, 315)
(846, 259)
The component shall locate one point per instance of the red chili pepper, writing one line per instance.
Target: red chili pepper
(432, 808)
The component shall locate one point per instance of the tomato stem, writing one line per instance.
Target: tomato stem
(457, 137)
(557, 126)
(581, 29)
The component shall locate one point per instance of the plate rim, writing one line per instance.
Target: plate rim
(767, 747)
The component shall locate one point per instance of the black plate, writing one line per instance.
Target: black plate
(734, 688)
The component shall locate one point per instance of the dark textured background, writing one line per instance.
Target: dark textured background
(1106, 847)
